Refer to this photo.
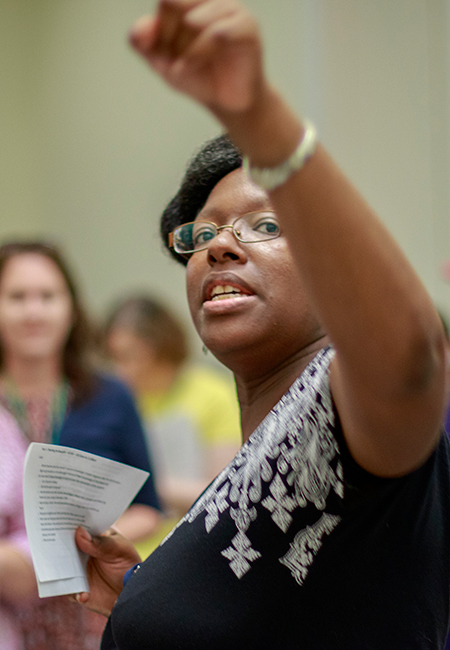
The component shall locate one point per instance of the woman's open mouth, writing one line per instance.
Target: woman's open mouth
(224, 292)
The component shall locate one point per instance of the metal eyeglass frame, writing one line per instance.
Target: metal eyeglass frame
(217, 228)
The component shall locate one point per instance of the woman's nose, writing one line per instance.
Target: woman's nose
(34, 306)
(225, 246)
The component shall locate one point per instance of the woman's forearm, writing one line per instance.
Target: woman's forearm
(359, 280)
(17, 578)
(138, 522)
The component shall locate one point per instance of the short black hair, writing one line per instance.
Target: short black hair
(216, 158)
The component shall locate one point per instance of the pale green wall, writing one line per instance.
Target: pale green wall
(93, 145)
(20, 179)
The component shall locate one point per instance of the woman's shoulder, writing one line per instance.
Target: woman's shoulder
(108, 388)
(108, 381)
(12, 442)
(9, 429)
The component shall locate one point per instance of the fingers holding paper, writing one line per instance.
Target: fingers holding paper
(111, 555)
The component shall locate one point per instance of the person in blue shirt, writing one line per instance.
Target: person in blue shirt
(108, 424)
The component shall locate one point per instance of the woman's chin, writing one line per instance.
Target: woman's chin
(37, 353)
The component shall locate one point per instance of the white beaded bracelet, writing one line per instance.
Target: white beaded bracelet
(271, 177)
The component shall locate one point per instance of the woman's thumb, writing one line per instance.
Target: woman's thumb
(85, 541)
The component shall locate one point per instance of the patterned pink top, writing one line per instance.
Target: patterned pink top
(12, 525)
(47, 623)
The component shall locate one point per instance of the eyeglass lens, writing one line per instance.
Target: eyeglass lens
(250, 228)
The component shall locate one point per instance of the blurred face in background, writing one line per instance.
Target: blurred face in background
(35, 308)
(132, 356)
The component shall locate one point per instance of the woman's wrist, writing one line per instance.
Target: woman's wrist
(268, 132)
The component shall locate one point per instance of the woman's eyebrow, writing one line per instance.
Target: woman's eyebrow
(212, 213)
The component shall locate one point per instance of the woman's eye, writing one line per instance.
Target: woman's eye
(202, 236)
(17, 296)
(47, 296)
(267, 226)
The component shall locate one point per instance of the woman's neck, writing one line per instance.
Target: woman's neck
(160, 378)
(258, 396)
(33, 377)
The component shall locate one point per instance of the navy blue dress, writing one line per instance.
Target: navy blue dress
(108, 424)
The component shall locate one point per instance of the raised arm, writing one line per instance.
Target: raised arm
(388, 375)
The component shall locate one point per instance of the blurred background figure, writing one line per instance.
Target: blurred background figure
(191, 409)
(49, 385)
(17, 579)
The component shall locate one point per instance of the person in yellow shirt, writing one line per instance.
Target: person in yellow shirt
(190, 411)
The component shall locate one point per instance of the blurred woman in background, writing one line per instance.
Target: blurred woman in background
(191, 410)
(49, 385)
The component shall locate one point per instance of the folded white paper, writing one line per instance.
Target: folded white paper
(64, 488)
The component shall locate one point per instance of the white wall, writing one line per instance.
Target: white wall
(93, 145)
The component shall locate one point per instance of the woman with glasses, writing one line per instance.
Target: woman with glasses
(330, 529)
(53, 394)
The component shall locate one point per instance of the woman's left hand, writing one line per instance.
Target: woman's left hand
(208, 49)
(111, 555)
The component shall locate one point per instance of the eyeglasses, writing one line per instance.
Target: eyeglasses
(250, 228)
